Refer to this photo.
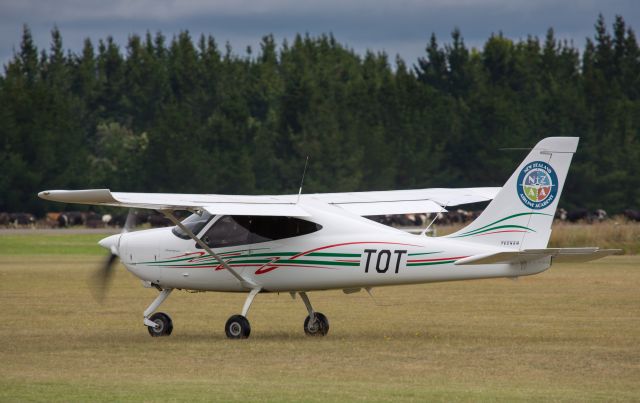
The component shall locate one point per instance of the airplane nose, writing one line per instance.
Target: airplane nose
(111, 243)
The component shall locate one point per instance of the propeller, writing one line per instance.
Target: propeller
(102, 277)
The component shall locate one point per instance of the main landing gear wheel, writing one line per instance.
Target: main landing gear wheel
(237, 327)
(164, 325)
(319, 327)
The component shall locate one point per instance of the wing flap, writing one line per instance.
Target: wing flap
(405, 201)
(393, 207)
(559, 255)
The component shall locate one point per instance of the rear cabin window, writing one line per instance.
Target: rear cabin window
(242, 230)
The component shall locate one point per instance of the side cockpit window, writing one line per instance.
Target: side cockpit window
(228, 231)
(243, 230)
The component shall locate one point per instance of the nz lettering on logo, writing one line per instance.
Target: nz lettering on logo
(383, 259)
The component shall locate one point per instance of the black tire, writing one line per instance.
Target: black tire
(320, 327)
(164, 322)
(237, 327)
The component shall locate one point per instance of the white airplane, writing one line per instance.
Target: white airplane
(308, 242)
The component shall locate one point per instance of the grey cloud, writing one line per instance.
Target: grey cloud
(397, 27)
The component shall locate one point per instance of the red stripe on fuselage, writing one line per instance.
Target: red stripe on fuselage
(187, 254)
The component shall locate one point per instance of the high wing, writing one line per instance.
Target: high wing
(214, 204)
(360, 203)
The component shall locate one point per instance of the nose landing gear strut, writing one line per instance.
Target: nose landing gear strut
(158, 324)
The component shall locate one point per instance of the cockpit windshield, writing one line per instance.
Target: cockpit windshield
(195, 223)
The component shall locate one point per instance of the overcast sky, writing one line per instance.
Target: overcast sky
(397, 27)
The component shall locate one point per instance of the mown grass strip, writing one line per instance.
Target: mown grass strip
(51, 244)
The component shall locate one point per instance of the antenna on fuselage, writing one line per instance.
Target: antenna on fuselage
(302, 180)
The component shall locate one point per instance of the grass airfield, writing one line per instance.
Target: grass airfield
(569, 334)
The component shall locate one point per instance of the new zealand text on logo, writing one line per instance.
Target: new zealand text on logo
(537, 185)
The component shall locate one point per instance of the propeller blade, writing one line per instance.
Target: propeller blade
(102, 277)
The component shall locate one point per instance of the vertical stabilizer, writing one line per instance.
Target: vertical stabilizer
(520, 216)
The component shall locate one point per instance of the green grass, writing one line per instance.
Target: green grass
(569, 334)
(51, 244)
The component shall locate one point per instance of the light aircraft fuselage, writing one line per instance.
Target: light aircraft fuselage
(347, 253)
(301, 243)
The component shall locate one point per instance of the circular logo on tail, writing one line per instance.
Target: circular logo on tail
(537, 185)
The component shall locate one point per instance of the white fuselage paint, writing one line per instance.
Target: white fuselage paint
(348, 252)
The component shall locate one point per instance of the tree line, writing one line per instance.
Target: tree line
(187, 115)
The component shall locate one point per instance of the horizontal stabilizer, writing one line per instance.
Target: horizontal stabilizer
(558, 255)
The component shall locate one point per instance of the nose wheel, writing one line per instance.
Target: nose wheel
(158, 324)
(238, 326)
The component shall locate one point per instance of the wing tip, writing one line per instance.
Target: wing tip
(85, 196)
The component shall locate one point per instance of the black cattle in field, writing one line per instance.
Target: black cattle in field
(460, 216)
(142, 217)
(93, 220)
(62, 220)
(158, 220)
(4, 219)
(582, 214)
(561, 214)
(382, 219)
(402, 220)
(475, 214)
(118, 220)
(632, 214)
(578, 214)
(416, 219)
(71, 218)
(22, 219)
(599, 215)
(443, 218)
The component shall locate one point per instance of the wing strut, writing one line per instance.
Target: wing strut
(245, 283)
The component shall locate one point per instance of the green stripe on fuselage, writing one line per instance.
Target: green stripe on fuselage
(498, 221)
